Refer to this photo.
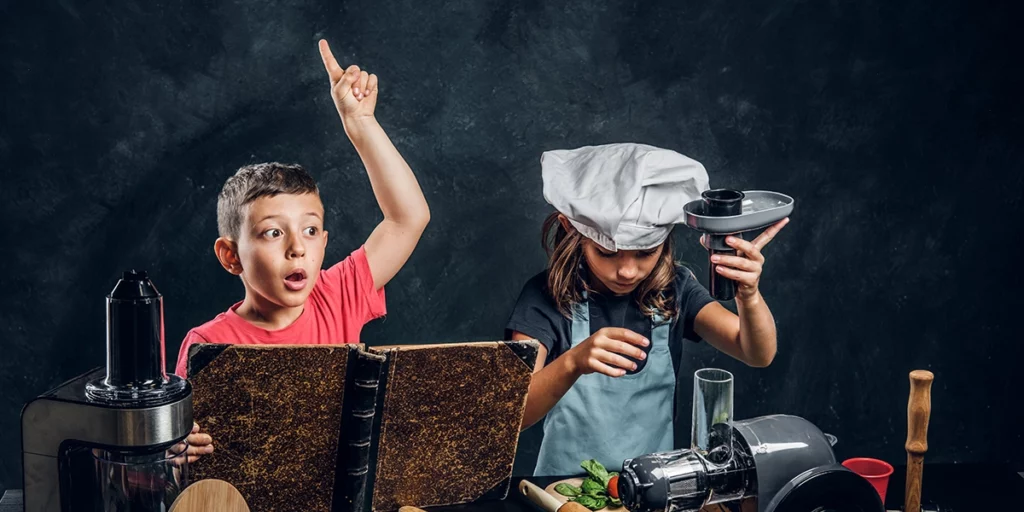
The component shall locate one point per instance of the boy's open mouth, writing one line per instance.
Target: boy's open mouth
(296, 280)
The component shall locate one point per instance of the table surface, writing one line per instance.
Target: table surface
(953, 487)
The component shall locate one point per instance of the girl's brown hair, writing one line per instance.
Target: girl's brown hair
(656, 295)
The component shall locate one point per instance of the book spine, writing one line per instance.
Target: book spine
(387, 367)
(357, 432)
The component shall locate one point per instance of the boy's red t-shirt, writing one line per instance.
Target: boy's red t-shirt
(342, 301)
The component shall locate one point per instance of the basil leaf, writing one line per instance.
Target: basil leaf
(591, 486)
(596, 470)
(591, 502)
(568, 490)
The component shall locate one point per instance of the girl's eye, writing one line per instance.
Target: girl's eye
(606, 254)
(646, 254)
(311, 231)
(272, 233)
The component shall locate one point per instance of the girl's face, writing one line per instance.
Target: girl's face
(619, 272)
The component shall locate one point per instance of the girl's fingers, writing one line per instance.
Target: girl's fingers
(616, 360)
(736, 262)
(763, 239)
(602, 368)
(747, 278)
(626, 349)
(626, 335)
(748, 249)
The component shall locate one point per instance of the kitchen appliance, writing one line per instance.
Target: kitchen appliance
(114, 438)
(784, 463)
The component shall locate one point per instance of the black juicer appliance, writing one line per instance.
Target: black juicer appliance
(782, 463)
(113, 438)
(723, 212)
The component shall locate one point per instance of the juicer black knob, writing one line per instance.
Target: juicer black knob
(135, 333)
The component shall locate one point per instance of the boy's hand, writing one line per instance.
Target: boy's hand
(745, 268)
(354, 91)
(198, 444)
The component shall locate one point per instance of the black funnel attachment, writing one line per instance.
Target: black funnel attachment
(135, 345)
(723, 212)
(721, 203)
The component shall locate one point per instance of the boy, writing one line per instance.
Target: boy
(270, 220)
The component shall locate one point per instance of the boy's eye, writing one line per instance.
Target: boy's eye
(311, 231)
(272, 233)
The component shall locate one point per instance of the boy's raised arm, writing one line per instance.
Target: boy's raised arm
(405, 209)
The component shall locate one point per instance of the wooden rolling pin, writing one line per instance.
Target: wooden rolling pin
(919, 409)
(542, 499)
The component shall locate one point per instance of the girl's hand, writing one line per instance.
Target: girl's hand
(601, 352)
(354, 91)
(198, 444)
(745, 268)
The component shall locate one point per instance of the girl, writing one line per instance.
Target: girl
(613, 307)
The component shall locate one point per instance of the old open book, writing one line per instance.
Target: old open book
(346, 428)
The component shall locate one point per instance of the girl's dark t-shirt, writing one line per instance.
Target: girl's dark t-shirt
(536, 315)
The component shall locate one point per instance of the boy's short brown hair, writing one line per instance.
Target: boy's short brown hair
(253, 182)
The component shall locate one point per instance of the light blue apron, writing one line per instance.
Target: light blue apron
(607, 418)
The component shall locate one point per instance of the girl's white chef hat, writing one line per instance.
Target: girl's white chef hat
(622, 196)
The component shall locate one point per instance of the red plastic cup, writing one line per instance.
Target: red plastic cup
(875, 471)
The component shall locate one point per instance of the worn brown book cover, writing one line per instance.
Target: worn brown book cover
(274, 414)
(450, 421)
(344, 429)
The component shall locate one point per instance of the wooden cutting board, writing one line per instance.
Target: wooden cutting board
(579, 481)
(210, 495)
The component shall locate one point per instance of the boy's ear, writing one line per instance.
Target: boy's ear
(227, 253)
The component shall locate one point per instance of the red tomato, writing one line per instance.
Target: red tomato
(613, 487)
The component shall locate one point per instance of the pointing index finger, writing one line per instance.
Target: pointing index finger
(333, 69)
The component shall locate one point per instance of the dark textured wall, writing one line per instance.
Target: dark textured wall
(896, 125)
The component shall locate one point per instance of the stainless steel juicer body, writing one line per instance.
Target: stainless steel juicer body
(61, 428)
(777, 460)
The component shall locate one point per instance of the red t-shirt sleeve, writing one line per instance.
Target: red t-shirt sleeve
(181, 368)
(350, 280)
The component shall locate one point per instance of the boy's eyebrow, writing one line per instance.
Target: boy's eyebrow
(275, 215)
(265, 217)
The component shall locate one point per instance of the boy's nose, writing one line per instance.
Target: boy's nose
(296, 249)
